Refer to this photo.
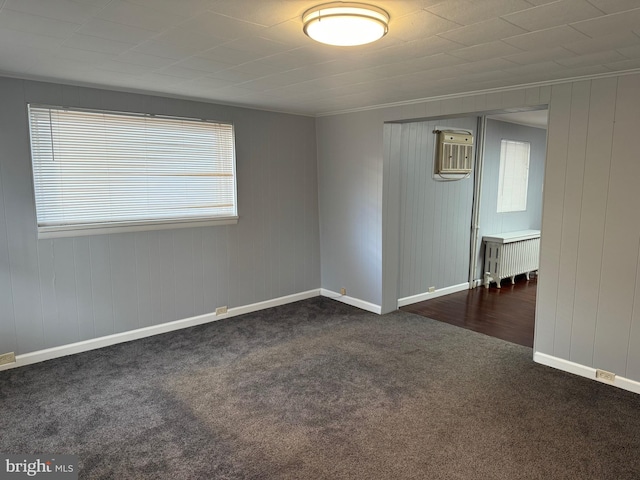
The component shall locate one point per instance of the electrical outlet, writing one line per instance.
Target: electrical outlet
(343, 291)
(7, 358)
(432, 289)
(605, 376)
(221, 310)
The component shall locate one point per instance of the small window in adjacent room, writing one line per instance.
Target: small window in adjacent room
(514, 176)
(103, 172)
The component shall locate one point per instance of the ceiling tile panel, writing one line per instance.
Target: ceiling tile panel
(17, 42)
(179, 43)
(419, 25)
(64, 10)
(13, 63)
(181, 72)
(483, 32)
(96, 44)
(593, 59)
(135, 15)
(211, 23)
(604, 26)
(539, 56)
(491, 65)
(144, 59)
(467, 12)
(187, 8)
(542, 39)
(485, 51)
(534, 68)
(608, 42)
(86, 56)
(630, 64)
(26, 22)
(257, 68)
(115, 31)
(630, 52)
(433, 61)
(226, 54)
(263, 13)
(553, 14)
(203, 64)
(614, 6)
(289, 32)
(258, 45)
(124, 67)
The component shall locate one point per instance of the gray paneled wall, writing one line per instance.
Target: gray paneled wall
(56, 292)
(589, 291)
(588, 308)
(490, 220)
(350, 205)
(435, 216)
(359, 188)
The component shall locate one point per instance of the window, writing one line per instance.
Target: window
(514, 176)
(102, 172)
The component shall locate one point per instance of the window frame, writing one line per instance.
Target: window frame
(101, 228)
(500, 208)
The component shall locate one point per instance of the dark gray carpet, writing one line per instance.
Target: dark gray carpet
(320, 390)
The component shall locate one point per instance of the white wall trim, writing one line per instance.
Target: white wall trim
(354, 302)
(421, 297)
(545, 83)
(584, 371)
(95, 343)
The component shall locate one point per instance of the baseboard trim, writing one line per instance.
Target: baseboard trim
(95, 343)
(584, 371)
(354, 302)
(421, 297)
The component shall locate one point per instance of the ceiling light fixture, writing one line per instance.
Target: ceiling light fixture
(345, 23)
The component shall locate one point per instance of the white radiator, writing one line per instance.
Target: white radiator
(510, 254)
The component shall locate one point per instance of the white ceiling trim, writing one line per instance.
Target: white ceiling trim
(151, 93)
(545, 83)
(509, 88)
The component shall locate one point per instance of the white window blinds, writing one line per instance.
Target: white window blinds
(514, 176)
(95, 169)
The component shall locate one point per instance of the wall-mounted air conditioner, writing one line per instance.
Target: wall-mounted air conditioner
(454, 152)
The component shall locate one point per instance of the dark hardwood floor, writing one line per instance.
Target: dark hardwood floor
(507, 313)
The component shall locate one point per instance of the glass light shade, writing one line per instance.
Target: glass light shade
(345, 23)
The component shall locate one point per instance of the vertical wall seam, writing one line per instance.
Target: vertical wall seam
(573, 308)
(566, 167)
(135, 256)
(6, 234)
(93, 307)
(75, 286)
(606, 209)
(633, 310)
(113, 309)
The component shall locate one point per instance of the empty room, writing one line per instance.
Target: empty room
(216, 216)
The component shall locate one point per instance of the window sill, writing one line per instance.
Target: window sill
(105, 229)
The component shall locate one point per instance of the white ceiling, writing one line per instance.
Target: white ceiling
(253, 52)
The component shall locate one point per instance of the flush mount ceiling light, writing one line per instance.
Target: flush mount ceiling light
(345, 23)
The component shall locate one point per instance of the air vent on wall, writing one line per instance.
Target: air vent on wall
(455, 152)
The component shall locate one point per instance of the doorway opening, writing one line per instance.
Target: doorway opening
(507, 185)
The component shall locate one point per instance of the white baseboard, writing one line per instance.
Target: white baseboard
(421, 297)
(94, 343)
(354, 302)
(584, 371)
(477, 283)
